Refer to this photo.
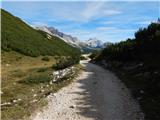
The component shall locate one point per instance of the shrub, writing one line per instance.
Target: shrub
(94, 54)
(42, 70)
(83, 58)
(65, 62)
(36, 79)
(45, 58)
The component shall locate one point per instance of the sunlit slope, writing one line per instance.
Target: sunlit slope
(20, 37)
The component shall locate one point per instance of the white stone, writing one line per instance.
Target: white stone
(34, 95)
(14, 101)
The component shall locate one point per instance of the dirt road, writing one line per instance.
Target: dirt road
(97, 94)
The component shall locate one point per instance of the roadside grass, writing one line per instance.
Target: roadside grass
(25, 84)
(14, 61)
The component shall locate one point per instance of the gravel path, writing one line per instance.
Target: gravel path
(95, 95)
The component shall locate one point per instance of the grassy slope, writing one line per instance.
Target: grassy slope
(18, 36)
(20, 43)
(17, 68)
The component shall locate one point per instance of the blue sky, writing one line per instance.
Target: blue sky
(106, 20)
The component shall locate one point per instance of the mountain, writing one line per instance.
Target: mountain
(85, 46)
(20, 37)
(55, 32)
(94, 43)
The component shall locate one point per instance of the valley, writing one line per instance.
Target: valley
(98, 62)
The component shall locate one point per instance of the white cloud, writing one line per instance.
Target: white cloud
(92, 9)
(106, 28)
(114, 29)
(144, 22)
(98, 9)
(38, 24)
(111, 12)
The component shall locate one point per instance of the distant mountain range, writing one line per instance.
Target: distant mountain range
(87, 45)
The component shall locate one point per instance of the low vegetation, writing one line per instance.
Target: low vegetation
(25, 84)
(83, 57)
(65, 62)
(20, 37)
(94, 54)
(45, 58)
(137, 62)
(27, 59)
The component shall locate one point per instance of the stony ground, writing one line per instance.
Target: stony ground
(97, 94)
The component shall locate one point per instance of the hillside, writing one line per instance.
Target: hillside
(20, 37)
(137, 63)
(29, 58)
(86, 46)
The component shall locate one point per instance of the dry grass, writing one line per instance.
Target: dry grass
(25, 81)
(13, 61)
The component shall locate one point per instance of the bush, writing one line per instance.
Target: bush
(94, 54)
(83, 58)
(36, 79)
(42, 70)
(143, 49)
(45, 58)
(65, 62)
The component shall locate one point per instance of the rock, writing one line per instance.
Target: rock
(42, 90)
(50, 82)
(146, 74)
(94, 82)
(72, 106)
(139, 98)
(14, 101)
(34, 95)
(8, 103)
(14, 83)
(1, 92)
(34, 100)
(141, 64)
(122, 88)
(141, 91)
(138, 75)
(156, 72)
(7, 65)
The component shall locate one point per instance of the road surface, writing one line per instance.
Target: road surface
(97, 94)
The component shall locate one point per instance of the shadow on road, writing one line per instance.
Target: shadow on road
(102, 96)
(88, 104)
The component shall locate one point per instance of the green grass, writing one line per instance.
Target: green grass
(20, 37)
(27, 57)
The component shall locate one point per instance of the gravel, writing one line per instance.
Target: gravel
(97, 94)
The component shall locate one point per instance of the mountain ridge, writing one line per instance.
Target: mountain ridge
(91, 43)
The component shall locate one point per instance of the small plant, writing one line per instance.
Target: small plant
(83, 58)
(42, 70)
(45, 58)
(65, 62)
(36, 79)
